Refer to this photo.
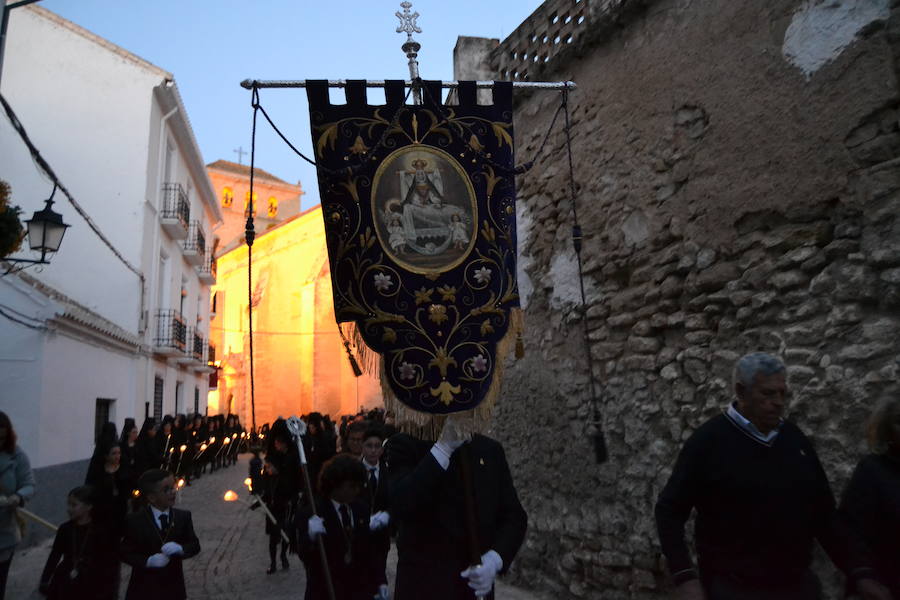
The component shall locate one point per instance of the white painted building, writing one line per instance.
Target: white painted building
(88, 335)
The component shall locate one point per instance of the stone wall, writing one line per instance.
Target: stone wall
(738, 185)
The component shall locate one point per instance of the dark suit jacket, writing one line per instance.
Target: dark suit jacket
(143, 539)
(353, 581)
(378, 500)
(428, 505)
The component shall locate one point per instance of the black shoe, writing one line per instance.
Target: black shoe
(271, 569)
(284, 563)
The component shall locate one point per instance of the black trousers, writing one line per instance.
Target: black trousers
(4, 572)
(731, 587)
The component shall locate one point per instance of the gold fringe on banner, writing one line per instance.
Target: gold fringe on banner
(427, 426)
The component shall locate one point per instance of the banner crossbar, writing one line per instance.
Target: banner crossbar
(380, 83)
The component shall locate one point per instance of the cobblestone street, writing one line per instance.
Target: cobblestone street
(234, 556)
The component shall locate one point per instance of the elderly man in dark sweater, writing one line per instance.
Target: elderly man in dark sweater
(761, 497)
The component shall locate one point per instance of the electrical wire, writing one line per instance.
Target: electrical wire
(45, 166)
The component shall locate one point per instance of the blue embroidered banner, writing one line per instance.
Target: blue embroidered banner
(419, 209)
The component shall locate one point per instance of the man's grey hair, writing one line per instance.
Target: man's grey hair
(756, 363)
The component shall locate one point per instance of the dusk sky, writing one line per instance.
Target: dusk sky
(212, 45)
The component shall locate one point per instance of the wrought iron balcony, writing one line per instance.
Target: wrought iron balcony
(195, 244)
(171, 333)
(209, 363)
(176, 211)
(199, 344)
(206, 270)
(193, 349)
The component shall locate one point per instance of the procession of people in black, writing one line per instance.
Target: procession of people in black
(753, 478)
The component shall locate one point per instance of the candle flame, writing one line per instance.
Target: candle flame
(181, 483)
(230, 496)
(171, 450)
(212, 440)
(226, 441)
(202, 447)
(135, 493)
(183, 448)
(248, 482)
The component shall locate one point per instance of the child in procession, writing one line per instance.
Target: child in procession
(157, 539)
(83, 563)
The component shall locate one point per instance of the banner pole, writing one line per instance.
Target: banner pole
(380, 83)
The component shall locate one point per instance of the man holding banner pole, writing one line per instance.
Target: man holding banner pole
(439, 527)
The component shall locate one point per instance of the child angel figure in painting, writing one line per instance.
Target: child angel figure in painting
(458, 233)
(397, 238)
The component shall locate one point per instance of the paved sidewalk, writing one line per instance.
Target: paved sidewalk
(234, 557)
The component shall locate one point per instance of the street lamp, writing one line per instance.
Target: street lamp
(45, 233)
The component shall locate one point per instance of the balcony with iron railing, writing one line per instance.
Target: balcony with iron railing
(209, 362)
(206, 271)
(176, 211)
(194, 247)
(193, 348)
(171, 333)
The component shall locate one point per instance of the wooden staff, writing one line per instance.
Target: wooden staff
(36, 519)
(298, 430)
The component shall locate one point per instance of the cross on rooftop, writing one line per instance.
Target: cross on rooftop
(240, 152)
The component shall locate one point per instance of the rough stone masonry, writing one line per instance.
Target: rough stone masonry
(738, 183)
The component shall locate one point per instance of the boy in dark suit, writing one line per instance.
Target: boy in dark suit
(157, 539)
(376, 496)
(343, 522)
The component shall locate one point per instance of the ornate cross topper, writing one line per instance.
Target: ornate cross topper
(407, 20)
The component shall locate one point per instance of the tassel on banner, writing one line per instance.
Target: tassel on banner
(357, 371)
(366, 360)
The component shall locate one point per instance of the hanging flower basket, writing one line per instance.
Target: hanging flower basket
(11, 231)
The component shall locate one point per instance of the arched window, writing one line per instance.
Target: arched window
(227, 197)
(273, 207)
(247, 204)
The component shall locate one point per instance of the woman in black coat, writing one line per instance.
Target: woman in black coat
(112, 490)
(871, 502)
(145, 447)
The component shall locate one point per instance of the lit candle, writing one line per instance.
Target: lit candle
(231, 496)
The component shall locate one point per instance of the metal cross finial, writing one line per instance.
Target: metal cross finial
(240, 152)
(410, 47)
(407, 20)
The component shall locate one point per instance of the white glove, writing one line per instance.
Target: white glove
(316, 527)
(379, 520)
(157, 561)
(11, 500)
(172, 548)
(382, 592)
(481, 578)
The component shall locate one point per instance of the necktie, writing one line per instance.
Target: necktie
(163, 521)
(348, 533)
(373, 482)
(345, 518)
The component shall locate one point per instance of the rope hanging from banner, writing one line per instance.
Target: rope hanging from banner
(250, 236)
(600, 450)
